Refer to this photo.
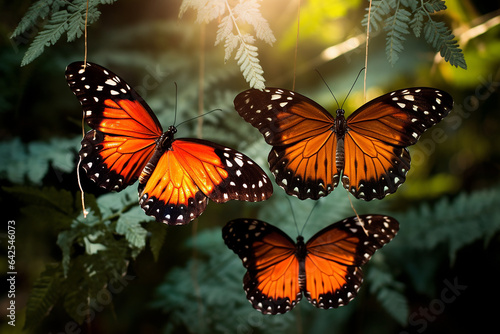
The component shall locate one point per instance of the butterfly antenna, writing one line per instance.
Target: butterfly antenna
(357, 77)
(293, 214)
(326, 84)
(310, 214)
(175, 105)
(192, 119)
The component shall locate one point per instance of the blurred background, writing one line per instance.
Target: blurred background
(88, 276)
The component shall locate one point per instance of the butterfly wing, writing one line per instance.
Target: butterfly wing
(302, 159)
(336, 253)
(192, 171)
(376, 158)
(125, 129)
(271, 281)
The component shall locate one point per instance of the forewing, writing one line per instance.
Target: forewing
(400, 117)
(124, 127)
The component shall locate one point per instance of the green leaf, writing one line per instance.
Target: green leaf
(158, 233)
(49, 35)
(397, 26)
(441, 38)
(53, 18)
(44, 295)
(129, 225)
(31, 161)
(35, 15)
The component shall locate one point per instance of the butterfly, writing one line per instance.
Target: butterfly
(126, 143)
(326, 268)
(311, 149)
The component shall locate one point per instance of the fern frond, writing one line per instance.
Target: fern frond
(396, 27)
(248, 12)
(453, 223)
(50, 34)
(207, 10)
(434, 6)
(45, 293)
(38, 11)
(380, 8)
(245, 12)
(398, 16)
(53, 18)
(246, 57)
(389, 291)
(157, 232)
(442, 39)
(417, 23)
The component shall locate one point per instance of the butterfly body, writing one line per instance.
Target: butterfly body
(326, 268)
(312, 150)
(177, 177)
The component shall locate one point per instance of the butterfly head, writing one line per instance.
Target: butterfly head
(172, 130)
(166, 139)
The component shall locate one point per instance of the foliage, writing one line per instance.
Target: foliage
(57, 153)
(398, 17)
(230, 32)
(96, 250)
(54, 18)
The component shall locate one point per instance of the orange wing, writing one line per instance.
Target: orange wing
(190, 172)
(336, 253)
(302, 134)
(376, 158)
(272, 280)
(125, 129)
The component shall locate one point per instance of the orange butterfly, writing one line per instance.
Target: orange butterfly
(176, 176)
(312, 149)
(326, 268)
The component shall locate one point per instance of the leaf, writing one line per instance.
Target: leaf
(379, 9)
(246, 57)
(49, 35)
(248, 12)
(441, 38)
(158, 232)
(207, 10)
(35, 15)
(44, 295)
(129, 225)
(398, 16)
(243, 13)
(32, 160)
(57, 17)
(417, 23)
(397, 26)
(395, 303)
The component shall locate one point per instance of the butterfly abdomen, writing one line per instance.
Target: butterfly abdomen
(301, 253)
(340, 130)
